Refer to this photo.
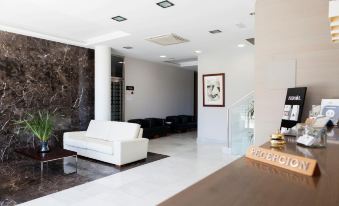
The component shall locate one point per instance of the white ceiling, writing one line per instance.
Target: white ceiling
(88, 22)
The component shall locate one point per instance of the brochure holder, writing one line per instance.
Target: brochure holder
(294, 105)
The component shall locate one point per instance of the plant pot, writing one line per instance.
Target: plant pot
(44, 147)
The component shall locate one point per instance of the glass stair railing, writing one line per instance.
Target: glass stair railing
(241, 125)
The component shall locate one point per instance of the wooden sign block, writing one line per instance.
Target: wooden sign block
(294, 163)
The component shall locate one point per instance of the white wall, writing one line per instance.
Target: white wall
(303, 36)
(238, 66)
(160, 90)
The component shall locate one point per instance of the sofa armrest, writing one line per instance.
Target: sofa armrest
(126, 151)
(141, 131)
(75, 134)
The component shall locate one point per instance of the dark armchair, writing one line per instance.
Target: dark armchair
(153, 127)
(181, 123)
(190, 121)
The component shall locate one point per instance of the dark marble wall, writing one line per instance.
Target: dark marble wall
(37, 74)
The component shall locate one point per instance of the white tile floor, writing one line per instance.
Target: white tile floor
(149, 184)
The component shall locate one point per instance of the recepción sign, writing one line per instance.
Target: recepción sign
(294, 163)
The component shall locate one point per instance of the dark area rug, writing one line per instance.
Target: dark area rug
(21, 180)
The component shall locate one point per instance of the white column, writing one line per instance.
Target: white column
(102, 102)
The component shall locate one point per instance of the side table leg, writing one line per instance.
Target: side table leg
(76, 163)
(41, 168)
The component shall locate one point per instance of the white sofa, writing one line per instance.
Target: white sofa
(117, 143)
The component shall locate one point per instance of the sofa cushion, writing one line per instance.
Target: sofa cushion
(123, 131)
(98, 145)
(78, 139)
(111, 130)
(98, 129)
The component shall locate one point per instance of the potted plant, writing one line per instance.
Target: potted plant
(41, 126)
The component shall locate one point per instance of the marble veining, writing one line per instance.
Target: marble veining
(152, 183)
(37, 74)
(21, 180)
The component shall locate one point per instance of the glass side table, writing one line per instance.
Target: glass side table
(54, 154)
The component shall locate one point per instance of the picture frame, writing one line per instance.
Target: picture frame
(213, 90)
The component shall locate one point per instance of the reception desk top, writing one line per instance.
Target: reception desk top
(246, 182)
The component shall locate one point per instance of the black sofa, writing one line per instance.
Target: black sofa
(153, 127)
(190, 121)
(181, 123)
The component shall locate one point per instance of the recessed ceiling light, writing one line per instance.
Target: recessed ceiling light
(127, 47)
(241, 45)
(215, 31)
(162, 56)
(121, 62)
(165, 4)
(198, 52)
(119, 18)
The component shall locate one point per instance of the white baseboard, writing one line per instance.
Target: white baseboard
(226, 150)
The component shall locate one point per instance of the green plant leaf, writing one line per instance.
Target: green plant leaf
(40, 125)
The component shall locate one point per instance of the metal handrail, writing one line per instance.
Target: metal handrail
(239, 100)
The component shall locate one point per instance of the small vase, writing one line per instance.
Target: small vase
(44, 147)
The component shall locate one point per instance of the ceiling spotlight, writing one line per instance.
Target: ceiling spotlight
(198, 52)
(165, 4)
(215, 31)
(162, 56)
(241, 45)
(121, 62)
(127, 47)
(119, 18)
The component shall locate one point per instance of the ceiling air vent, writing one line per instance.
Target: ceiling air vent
(168, 39)
(184, 62)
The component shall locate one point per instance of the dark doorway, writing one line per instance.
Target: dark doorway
(117, 88)
(196, 95)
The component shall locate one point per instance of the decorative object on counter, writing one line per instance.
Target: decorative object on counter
(41, 126)
(315, 111)
(289, 131)
(332, 135)
(314, 132)
(311, 136)
(291, 162)
(330, 108)
(277, 139)
(294, 104)
(213, 90)
(320, 121)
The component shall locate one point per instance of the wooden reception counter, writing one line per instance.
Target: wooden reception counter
(246, 182)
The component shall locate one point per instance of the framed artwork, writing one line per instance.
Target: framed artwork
(213, 90)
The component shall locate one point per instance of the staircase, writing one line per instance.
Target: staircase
(241, 125)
